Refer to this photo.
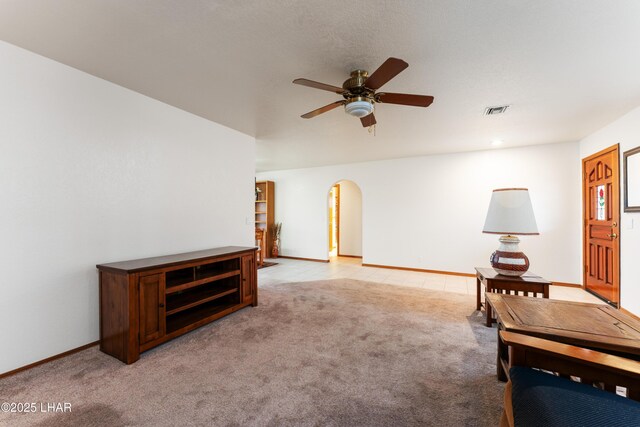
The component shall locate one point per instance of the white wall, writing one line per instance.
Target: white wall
(626, 132)
(350, 219)
(91, 173)
(428, 212)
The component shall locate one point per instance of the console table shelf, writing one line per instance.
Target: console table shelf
(186, 285)
(146, 302)
(184, 301)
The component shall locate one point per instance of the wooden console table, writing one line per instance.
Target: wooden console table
(595, 326)
(494, 282)
(146, 302)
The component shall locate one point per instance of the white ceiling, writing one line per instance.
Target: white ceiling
(567, 67)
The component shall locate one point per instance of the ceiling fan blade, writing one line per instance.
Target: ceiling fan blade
(321, 110)
(318, 85)
(404, 99)
(388, 70)
(369, 120)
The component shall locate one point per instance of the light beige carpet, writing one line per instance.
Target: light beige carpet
(327, 353)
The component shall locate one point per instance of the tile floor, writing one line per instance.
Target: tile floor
(289, 270)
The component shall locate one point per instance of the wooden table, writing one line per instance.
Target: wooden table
(595, 326)
(528, 283)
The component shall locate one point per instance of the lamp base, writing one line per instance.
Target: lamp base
(508, 260)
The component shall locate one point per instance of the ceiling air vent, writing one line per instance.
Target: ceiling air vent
(490, 111)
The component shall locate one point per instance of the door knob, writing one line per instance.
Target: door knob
(612, 235)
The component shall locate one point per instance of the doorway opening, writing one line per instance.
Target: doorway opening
(345, 221)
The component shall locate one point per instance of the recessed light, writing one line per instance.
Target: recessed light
(496, 142)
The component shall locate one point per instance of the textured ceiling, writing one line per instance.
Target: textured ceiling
(567, 67)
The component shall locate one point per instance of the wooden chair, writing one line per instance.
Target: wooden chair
(261, 248)
(566, 365)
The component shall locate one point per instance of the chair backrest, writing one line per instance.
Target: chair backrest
(259, 236)
(260, 253)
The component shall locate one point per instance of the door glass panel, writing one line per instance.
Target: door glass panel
(600, 202)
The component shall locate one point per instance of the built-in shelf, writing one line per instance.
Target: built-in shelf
(265, 215)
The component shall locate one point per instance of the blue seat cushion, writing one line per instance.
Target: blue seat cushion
(541, 399)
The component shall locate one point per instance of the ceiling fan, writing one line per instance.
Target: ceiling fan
(359, 92)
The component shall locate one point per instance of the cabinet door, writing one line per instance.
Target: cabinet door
(248, 279)
(152, 312)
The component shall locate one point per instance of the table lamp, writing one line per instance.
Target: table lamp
(510, 213)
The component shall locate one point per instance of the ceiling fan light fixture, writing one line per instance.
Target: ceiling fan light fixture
(359, 108)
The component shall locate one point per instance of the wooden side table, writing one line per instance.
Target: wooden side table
(595, 326)
(494, 282)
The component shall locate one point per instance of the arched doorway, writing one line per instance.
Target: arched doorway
(345, 220)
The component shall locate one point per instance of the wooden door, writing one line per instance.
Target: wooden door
(152, 310)
(248, 277)
(336, 212)
(334, 218)
(331, 215)
(601, 213)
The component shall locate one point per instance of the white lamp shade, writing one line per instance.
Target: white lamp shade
(359, 108)
(510, 212)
